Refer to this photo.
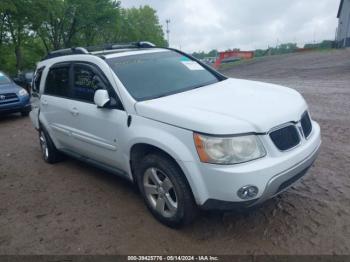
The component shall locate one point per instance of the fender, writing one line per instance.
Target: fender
(175, 141)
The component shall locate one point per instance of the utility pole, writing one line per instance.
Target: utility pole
(167, 31)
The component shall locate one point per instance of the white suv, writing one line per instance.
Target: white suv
(188, 136)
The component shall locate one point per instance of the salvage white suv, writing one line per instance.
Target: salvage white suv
(188, 136)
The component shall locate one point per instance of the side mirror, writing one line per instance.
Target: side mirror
(101, 97)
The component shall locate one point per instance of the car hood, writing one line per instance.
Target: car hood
(9, 88)
(231, 106)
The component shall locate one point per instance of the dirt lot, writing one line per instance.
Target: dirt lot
(71, 208)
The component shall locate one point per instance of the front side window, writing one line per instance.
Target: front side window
(85, 83)
(57, 83)
(153, 75)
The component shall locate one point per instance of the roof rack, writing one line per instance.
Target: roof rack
(90, 49)
(67, 51)
(120, 46)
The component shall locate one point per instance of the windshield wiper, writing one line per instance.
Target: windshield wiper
(205, 84)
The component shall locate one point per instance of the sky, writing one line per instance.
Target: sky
(203, 25)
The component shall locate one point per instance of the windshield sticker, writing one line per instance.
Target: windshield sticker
(185, 58)
(192, 65)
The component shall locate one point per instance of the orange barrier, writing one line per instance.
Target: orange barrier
(227, 55)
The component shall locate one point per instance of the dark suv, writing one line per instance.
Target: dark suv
(13, 98)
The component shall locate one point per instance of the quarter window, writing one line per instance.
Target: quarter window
(57, 83)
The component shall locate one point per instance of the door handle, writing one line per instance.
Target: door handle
(74, 111)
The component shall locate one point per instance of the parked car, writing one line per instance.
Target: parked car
(186, 135)
(24, 80)
(13, 98)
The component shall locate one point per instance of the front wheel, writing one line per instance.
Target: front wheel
(166, 191)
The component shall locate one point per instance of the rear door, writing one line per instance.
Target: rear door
(56, 105)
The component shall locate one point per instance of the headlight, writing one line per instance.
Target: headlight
(23, 92)
(228, 150)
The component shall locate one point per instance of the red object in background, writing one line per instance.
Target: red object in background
(233, 54)
(304, 49)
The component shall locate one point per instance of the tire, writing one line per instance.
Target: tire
(49, 152)
(169, 198)
(25, 113)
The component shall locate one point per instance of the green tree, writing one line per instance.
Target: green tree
(326, 44)
(213, 53)
(31, 28)
(201, 55)
(141, 24)
(15, 17)
(55, 22)
(95, 27)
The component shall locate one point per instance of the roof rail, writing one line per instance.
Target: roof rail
(141, 44)
(145, 44)
(67, 51)
(88, 50)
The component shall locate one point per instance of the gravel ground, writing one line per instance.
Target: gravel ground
(72, 208)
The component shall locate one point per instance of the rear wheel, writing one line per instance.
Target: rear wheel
(166, 191)
(49, 152)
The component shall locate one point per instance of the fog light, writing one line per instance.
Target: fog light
(247, 192)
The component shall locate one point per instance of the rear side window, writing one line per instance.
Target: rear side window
(85, 83)
(57, 82)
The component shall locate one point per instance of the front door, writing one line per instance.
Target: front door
(97, 132)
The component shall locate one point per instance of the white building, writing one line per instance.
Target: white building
(343, 31)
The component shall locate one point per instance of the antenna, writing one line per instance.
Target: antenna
(167, 31)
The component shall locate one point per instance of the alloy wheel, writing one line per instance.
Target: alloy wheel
(160, 192)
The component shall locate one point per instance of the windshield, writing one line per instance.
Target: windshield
(4, 80)
(153, 75)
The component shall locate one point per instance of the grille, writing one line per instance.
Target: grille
(285, 138)
(8, 98)
(306, 124)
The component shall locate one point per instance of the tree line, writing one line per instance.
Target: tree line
(29, 29)
(284, 48)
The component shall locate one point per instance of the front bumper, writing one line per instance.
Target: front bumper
(23, 105)
(216, 186)
(11, 110)
(283, 181)
(275, 186)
